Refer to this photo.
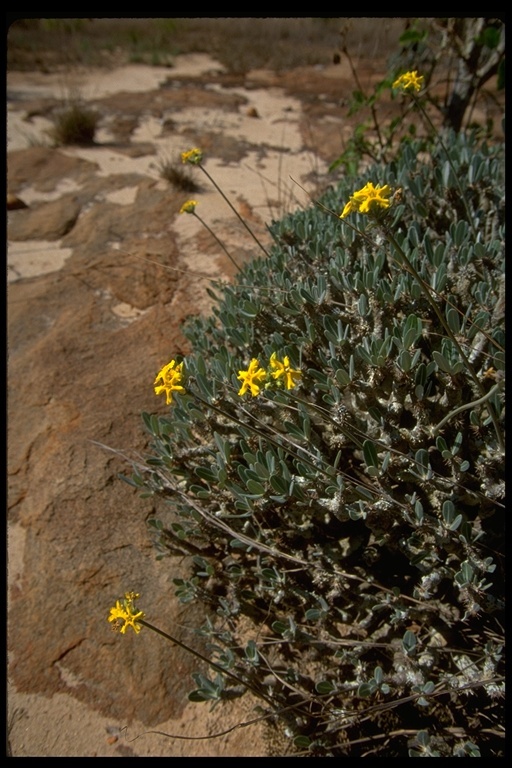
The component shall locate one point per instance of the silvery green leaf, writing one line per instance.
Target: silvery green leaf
(453, 319)
(442, 362)
(409, 641)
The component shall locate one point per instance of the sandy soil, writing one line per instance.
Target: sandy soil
(273, 185)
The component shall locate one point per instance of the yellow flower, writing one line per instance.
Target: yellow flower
(368, 198)
(124, 610)
(290, 375)
(193, 156)
(252, 378)
(170, 376)
(188, 207)
(409, 80)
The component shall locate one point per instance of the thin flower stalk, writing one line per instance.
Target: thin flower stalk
(125, 610)
(360, 88)
(195, 157)
(212, 664)
(239, 217)
(467, 406)
(190, 207)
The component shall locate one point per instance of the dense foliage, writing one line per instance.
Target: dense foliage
(346, 534)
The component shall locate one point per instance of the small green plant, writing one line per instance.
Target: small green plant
(75, 123)
(332, 460)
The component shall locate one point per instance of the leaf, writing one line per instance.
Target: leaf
(421, 459)
(201, 493)
(456, 523)
(294, 430)
(325, 687)
(370, 454)
(412, 36)
(490, 36)
(280, 485)
(448, 511)
(255, 488)
(362, 305)
(134, 480)
(412, 331)
(197, 696)
(442, 362)
(223, 445)
(249, 309)
(453, 319)
(280, 627)
(251, 652)
(409, 641)
(313, 614)
(342, 377)
(206, 474)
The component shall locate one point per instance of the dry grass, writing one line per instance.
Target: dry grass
(75, 124)
(178, 175)
(239, 44)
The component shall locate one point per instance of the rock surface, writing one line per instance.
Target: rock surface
(102, 273)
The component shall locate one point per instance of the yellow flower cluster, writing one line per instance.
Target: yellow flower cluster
(409, 81)
(189, 206)
(124, 610)
(367, 199)
(193, 156)
(169, 380)
(290, 376)
(252, 378)
(255, 377)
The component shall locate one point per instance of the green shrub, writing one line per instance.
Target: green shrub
(346, 534)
